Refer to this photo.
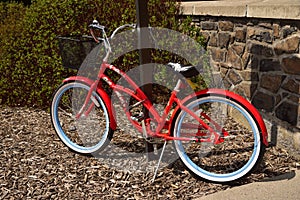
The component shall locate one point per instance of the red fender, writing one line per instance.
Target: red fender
(101, 92)
(257, 116)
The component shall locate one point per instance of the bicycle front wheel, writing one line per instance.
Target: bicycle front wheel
(88, 134)
(232, 159)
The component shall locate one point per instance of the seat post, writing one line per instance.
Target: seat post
(178, 85)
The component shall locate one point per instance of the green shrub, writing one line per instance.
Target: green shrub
(30, 64)
(11, 17)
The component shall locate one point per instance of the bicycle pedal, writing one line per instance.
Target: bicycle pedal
(138, 117)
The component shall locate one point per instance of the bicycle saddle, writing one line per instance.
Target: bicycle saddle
(186, 71)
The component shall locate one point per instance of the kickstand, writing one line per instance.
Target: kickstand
(161, 155)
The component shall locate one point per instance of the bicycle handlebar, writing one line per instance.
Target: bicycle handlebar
(96, 26)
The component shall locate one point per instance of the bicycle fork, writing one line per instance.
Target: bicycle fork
(85, 109)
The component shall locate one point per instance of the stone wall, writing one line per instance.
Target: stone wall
(259, 59)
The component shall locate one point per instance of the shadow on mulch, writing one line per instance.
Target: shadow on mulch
(34, 164)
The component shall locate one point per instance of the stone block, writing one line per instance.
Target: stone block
(260, 34)
(213, 40)
(261, 49)
(292, 86)
(226, 84)
(248, 88)
(226, 25)
(218, 55)
(291, 64)
(284, 94)
(265, 25)
(223, 39)
(206, 36)
(271, 82)
(288, 112)
(209, 25)
(278, 99)
(276, 31)
(249, 75)
(224, 65)
(240, 34)
(253, 62)
(234, 60)
(223, 71)
(232, 38)
(263, 101)
(294, 98)
(266, 36)
(288, 30)
(288, 45)
(234, 77)
(238, 48)
(269, 65)
(238, 90)
(245, 59)
(250, 32)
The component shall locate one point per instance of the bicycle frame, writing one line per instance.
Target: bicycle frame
(139, 95)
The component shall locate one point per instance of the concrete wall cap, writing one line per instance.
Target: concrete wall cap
(275, 9)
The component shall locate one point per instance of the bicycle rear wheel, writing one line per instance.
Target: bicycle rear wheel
(235, 157)
(88, 134)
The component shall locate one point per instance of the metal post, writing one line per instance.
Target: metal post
(144, 56)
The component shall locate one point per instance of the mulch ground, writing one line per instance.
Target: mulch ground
(34, 164)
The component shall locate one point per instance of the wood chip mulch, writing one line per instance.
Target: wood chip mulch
(34, 164)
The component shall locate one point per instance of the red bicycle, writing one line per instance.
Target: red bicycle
(218, 135)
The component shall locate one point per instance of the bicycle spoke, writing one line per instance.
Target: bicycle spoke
(235, 148)
(87, 134)
(66, 113)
